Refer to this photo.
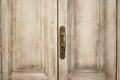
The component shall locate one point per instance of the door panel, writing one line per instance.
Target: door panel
(91, 39)
(29, 39)
(85, 34)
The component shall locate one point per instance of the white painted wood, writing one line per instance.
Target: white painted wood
(62, 18)
(91, 39)
(118, 39)
(29, 39)
(0, 43)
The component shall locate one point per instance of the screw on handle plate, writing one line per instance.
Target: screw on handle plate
(62, 42)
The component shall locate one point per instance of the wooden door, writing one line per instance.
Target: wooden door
(29, 40)
(91, 39)
(30, 43)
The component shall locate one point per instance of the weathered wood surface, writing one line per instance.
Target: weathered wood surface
(91, 39)
(29, 39)
(118, 40)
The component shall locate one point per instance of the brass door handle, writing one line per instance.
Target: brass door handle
(62, 42)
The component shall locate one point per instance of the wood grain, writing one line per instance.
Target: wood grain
(27, 34)
(0, 41)
(91, 39)
(118, 39)
(85, 34)
(29, 39)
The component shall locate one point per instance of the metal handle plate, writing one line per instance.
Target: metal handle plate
(62, 42)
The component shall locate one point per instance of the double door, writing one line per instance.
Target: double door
(58, 40)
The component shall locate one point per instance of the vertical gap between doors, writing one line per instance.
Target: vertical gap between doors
(116, 39)
(57, 39)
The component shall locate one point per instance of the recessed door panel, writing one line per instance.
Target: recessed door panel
(27, 35)
(86, 34)
(91, 50)
(29, 40)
